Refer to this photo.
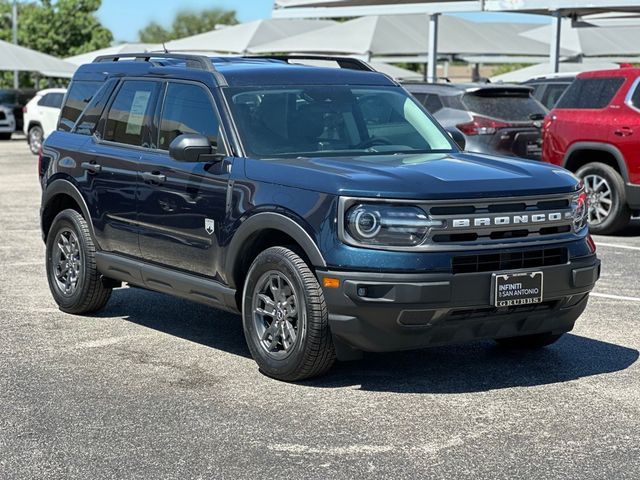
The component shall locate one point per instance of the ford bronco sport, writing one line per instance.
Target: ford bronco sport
(324, 205)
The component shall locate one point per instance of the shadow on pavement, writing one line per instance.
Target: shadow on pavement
(474, 367)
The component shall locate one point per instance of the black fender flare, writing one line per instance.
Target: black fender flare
(63, 186)
(271, 220)
(604, 147)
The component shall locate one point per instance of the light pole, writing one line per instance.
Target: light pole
(14, 24)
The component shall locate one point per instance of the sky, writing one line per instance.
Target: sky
(125, 17)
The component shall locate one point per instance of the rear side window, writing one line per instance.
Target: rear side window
(510, 106)
(590, 92)
(552, 94)
(430, 101)
(79, 95)
(635, 98)
(129, 117)
(52, 100)
(187, 109)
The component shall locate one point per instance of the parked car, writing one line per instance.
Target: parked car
(16, 100)
(7, 122)
(594, 131)
(41, 116)
(323, 205)
(496, 119)
(548, 89)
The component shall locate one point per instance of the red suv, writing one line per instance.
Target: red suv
(594, 131)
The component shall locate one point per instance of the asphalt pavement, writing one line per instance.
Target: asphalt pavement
(160, 388)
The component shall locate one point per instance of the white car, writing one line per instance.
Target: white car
(7, 122)
(41, 116)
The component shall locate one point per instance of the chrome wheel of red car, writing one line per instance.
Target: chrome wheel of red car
(600, 198)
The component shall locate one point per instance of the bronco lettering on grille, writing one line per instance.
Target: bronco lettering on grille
(522, 219)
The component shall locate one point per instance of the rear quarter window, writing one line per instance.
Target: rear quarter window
(79, 95)
(512, 107)
(590, 93)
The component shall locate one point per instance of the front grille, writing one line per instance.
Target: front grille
(499, 220)
(494, 262)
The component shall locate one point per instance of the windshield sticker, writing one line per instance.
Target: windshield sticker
(136, 114)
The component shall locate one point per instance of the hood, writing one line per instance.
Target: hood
(416, 176)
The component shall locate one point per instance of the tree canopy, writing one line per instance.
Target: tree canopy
(187, 23)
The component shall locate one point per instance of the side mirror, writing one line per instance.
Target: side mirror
(457, 137)
(190, 147)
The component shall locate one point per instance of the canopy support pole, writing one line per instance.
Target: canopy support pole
(432, 58)
(14, 34)
(556, 29)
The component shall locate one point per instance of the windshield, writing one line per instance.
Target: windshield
(332, 120)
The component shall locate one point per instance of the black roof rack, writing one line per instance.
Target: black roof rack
(343, 62)
(201, 62)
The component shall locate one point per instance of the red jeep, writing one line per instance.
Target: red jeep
(594, 131)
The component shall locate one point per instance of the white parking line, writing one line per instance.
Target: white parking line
(615, 245)
(615, 297)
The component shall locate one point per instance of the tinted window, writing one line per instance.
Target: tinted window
(332, 120)
(512, 107)
(187, 109)
(87, 123)
(8, 97)
(79, 95)
(430, 101)
(552, 94)
(590, 92)
(52, 100)
(635, 98)
(129, 117)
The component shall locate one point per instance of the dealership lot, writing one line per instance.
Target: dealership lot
(156, 387)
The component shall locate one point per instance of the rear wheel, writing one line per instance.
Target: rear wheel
(285, 317)
(35, 139)
(529, 342)
(74, 281)
(608, 210)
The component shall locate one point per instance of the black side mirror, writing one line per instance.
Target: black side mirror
(457, 137)
(190, 147)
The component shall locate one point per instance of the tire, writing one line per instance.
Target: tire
(529, 342)
(79, 290)
(5, 136)
(35, 137)
(278, 273)
(609, 197)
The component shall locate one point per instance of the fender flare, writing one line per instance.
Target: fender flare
(604, 147)
(277, 221)
(63, 186)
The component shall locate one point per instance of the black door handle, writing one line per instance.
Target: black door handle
(153, 177)
(91, 167)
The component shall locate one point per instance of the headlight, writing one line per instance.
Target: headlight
(387, 225)
(580, 210)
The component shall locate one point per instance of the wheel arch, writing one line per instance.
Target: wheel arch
(60, 195)
(261, 231)
(581, 153)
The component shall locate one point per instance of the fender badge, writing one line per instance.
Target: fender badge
(209, 226)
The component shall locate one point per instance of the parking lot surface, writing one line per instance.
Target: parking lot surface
(156, 387)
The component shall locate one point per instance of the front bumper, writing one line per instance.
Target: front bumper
(405, 311)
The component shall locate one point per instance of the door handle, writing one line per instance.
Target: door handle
(91, 167)
(623, 131)
(153, 177)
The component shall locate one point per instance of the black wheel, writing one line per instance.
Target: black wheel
(530, 342)
(608, 210)
(285, 317)
(5, 136)
(74, 281)
(35, 139)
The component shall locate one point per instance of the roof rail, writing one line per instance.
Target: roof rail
(349, 63)
(200, 62)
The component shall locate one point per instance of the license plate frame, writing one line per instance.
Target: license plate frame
(518, 288)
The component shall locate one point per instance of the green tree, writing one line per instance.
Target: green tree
(187, 23)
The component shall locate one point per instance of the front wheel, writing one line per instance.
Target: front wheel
(285, 317)
(529, 342)
(608, 210)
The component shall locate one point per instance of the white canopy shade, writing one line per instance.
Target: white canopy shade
(592, 41)
(15, 57)
(240, 38)
(381, 35)
(396, 72)
(542, 69)
(122, 48)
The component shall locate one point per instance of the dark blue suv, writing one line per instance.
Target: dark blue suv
(325, 205)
